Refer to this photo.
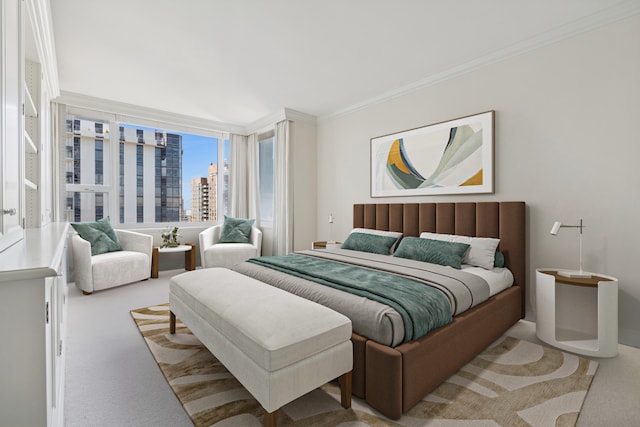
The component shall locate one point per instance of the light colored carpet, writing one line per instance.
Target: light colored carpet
(512, 383)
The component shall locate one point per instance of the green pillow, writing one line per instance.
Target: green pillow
(100, 234)
(236, 230)
(366, 242)
(498, 260)
(433, 251)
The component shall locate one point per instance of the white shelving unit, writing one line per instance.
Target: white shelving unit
(29, 105)
(32, 160)
(30, 146)
(579, 315)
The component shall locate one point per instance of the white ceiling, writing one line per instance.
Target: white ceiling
(238, 61)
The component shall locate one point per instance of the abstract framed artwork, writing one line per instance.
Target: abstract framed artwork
(452, 157)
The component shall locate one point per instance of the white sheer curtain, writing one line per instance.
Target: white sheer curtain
(237, 176)
(283, 191)
(253, 181)
(243, 177)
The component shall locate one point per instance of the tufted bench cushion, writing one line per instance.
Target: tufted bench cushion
(278, 345)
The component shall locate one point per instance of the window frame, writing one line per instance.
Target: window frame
(262, 138)
(111, 191)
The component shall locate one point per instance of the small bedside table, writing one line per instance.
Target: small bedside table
(189, 250)
(577, 314)
(323, 244)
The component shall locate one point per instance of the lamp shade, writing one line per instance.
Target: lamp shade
(556, 227)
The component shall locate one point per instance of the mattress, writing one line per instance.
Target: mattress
(464, 289)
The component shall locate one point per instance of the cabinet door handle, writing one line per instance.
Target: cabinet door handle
(11, 211)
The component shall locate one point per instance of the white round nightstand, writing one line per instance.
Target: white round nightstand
(577, 314)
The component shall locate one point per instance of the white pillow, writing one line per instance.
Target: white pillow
(395, 234)
(482, 250)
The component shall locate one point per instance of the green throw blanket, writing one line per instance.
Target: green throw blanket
(422, 307)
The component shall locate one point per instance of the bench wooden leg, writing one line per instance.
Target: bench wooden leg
(345, 390)
(271, 419)
(172, 323)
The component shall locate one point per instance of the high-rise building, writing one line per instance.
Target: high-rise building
(155, 189)
(168, 175)
(200, 209)
(87, 153)
(149, 172)
(212, 180)
(205, 194)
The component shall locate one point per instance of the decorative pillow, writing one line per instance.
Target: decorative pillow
(481, 252)
(395, 234)
(498, 261)
(433, 251)
(100, 234)
(367, 242)
(236, 230)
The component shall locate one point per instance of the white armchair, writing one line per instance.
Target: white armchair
(97, 272)
(214, 254)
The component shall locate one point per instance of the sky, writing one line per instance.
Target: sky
(197, 153)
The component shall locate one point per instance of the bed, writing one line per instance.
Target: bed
(393, 376)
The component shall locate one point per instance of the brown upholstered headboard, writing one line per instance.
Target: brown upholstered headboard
(504, 220)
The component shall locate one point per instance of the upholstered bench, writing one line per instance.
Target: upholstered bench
(278, 345)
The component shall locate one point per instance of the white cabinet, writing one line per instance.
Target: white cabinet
(577, 314)
(11, 128)
(33, 307)
(28, 83)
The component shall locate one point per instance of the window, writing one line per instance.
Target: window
(99, 166)
(266, 143)
(176, 175)
(146, 176)
(86, 172)
(160, 176)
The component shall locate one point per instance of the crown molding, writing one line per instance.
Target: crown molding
(262, 124)
(145, 113)
(165, 117)
(39, 15)
(608, 16)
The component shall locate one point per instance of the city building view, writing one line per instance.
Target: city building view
(204, 195)
(149, 176)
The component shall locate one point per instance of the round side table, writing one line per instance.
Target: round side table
(189, 257)
(579, 315)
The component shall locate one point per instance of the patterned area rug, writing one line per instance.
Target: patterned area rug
(512, 383)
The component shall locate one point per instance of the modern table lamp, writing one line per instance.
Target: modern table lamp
(331, 218)
(554, 231)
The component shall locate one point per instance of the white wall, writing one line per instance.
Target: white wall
(303, 173)
(566, 142)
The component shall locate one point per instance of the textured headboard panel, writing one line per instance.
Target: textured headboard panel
(504, 220)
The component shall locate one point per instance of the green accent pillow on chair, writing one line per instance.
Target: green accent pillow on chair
(100, 234)
(236, 230)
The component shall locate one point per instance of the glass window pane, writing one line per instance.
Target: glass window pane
(87, 151)
(179, 165)
(83, 206)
